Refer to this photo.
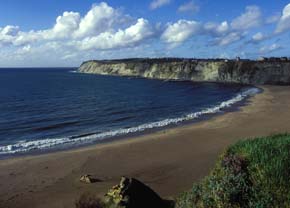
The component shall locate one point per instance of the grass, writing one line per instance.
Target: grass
(252, 173)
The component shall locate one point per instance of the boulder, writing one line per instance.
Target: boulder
(131, 193)
(86, 179)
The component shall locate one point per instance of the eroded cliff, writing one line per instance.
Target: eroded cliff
(244, 72)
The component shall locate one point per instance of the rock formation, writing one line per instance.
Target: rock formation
(88, 179)
(131, 193)
(225, 71)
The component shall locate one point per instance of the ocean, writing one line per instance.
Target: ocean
(51, 109)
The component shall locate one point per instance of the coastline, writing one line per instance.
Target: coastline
(169, 160)
(52, 145)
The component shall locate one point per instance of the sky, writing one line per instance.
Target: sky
(62, 33)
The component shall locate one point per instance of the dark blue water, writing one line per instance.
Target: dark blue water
(42, 109)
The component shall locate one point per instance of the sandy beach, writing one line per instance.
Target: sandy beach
(169, 160)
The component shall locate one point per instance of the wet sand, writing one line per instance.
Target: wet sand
(169, 160)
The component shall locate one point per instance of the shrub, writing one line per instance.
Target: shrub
(252, 173)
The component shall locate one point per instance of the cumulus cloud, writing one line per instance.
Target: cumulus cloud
(258, 37)
(108, 31)
(101, 18)
(8, 34)
(251, 18)
(155, 4)
(180, 31)
(224, 33)
(129, 37)
(30, 37)
(101, 28)
(65, 25)
(188, 7)
(284, 21)
(9, 30)
(216, 29)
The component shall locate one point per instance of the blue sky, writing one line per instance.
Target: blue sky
(65, 33)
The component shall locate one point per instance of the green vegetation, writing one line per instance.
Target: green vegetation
(252, 173)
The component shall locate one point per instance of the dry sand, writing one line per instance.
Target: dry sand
(169, 161)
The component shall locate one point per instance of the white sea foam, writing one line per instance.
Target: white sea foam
(47, 143)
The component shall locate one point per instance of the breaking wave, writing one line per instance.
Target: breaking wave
(25, 146)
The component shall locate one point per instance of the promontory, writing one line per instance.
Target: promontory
(273, 71)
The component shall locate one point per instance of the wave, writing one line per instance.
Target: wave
(25, 146)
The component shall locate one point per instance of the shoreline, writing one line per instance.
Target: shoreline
(233, 104)
(169, 160)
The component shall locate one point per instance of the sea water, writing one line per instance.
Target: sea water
(49, 109)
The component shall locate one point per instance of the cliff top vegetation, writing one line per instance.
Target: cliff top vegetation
(175, 59)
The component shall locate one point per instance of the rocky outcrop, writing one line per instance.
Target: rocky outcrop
(88, 179)
(131, 193)
(244, 72)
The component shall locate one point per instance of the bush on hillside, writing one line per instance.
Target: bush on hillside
(252, 173)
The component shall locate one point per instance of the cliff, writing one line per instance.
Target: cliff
(244, 72)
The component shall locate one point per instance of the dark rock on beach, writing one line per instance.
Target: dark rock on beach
(89, 179)
(131, 193)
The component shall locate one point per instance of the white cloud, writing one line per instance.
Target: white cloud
(65, 25)
(9, 30)
(46, 54)
(24, 50)
(155, 4)
(8, 34)
(284, 21)
(180, 31)
(229, 39)
(99, 19)
(258, 37)
(250, 19)
(273, 19)
(129, 37)
(109, 31)
(102, 28)
(24, 38)
(189, 7)
(271, 48)
(69, 56)
(217, 29)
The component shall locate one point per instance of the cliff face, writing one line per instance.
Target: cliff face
(244, 72)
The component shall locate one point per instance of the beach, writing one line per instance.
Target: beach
(169, 160)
